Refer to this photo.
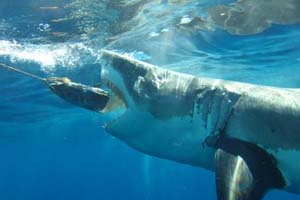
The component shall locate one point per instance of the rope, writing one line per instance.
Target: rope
(21, 72)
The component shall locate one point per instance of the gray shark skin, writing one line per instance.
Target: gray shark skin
(181, 117)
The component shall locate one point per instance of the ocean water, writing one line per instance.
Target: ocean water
(50, 149)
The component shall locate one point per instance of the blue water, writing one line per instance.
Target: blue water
(50, 149)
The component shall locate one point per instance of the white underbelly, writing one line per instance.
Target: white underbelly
(177, 139)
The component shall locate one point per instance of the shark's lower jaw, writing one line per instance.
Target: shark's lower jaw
(116, 106)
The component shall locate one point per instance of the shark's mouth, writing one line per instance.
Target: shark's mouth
(121, 100)
(116, 106)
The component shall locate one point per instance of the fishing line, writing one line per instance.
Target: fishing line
(21, 72)
(88, 97)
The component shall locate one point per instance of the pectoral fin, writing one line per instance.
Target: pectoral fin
(244, 171)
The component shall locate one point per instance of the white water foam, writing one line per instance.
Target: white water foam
(49, 56)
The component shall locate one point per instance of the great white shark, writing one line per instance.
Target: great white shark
(248, 134)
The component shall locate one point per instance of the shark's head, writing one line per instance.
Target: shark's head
(167, 114)
(144, 88)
